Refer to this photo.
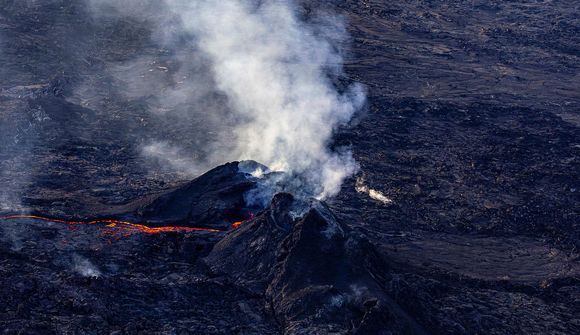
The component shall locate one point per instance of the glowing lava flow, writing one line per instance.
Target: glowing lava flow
(126, 227)
(237, 224)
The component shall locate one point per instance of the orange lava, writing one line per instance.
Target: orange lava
(127, 228)
(237, 224)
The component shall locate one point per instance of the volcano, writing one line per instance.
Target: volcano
(291, 266)
(452, 201)
(300, 273)
(215, 199)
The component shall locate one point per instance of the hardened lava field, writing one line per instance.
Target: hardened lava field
(118, 214)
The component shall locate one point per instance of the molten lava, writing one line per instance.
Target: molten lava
(237, 224)
(124, 228)
(127, 228)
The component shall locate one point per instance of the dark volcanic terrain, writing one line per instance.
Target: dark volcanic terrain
(471, 130)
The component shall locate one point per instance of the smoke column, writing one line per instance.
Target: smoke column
(275, 70)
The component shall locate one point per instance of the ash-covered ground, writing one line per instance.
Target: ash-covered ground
(469, 144)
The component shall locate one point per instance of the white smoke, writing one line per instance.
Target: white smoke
(173, 156)
(361, 187)
(13, 236)
(274, 70)
(84, 267)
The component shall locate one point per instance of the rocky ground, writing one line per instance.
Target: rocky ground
(471, 131)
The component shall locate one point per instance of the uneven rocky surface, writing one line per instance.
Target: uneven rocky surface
(471, 131)
(277, 272)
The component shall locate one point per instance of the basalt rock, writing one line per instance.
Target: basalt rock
(317, 275)
(471, 129)
(212, 200)
(249, 252)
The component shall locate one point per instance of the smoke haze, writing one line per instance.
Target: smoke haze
(84, 267)
(256, 78)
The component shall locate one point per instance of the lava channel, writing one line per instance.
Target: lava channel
(128, 228)
(237, 224)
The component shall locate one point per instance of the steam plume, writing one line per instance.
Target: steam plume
(361, 187)
(275, 70)
(84, 267)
